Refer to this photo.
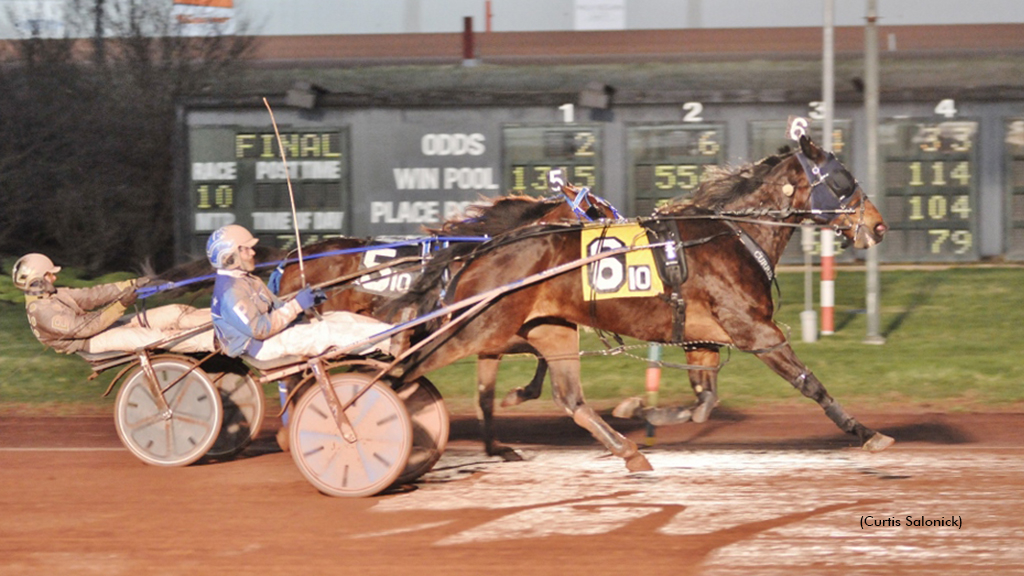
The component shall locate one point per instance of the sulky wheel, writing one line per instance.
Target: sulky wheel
(430, 427)
(244, 407)
(341, 468)
(186, 430)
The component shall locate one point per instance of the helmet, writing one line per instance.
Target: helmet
(222, 246)
(31, 268)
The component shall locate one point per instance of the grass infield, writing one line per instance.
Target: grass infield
(953, 341)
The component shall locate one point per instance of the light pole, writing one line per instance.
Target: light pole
(873, 335)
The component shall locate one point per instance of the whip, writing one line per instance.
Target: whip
(291, 195)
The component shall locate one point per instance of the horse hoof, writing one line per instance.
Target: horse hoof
(510, 455)
(638, 463)
(628, 408)
(667, 416)
(506, 453)
(878, 442)
(282, 439)
(513, 398)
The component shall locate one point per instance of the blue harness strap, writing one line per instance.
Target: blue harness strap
(274, 282)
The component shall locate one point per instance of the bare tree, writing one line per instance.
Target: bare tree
(86, 133)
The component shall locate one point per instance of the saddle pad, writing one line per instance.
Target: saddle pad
(390, 282)
(629, 275)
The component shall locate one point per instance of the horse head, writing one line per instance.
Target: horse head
(835, 198)
(585, 205)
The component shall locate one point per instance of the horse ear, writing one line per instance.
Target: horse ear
(810, 150)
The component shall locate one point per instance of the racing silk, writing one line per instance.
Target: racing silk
(245, 312)
(63, 320)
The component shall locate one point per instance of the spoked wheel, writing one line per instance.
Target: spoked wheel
(369, 464)
(244, 408)
(180, 435)
(430, 427)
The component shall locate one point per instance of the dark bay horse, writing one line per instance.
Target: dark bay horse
(730, 249)
(490, 218)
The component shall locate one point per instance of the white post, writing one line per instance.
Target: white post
(827, 235)
(808, 318)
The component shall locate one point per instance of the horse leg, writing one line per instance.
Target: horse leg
(531, 391)
(786, 364)
(705, 387)
(704, 382)
(559, 345)
(486, 379)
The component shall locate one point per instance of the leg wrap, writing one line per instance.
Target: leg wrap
(809, 385)
(586, 418)
(844, 421)
(706, 402)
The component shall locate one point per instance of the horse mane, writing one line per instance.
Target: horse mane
(501, 214)
(725, 186)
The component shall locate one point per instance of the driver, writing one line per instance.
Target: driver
(91, 320)
(249, 319)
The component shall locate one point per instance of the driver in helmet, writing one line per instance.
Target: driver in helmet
(92, 319)
(249, 319)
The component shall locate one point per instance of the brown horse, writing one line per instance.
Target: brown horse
(346, 256)
(730, 250)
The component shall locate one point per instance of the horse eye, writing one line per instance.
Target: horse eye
(840, 182)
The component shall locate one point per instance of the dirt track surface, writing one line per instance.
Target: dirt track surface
(745, 493)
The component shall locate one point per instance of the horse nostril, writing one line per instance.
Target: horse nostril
(880, 230)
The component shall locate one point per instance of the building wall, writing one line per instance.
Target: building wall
(316, 17)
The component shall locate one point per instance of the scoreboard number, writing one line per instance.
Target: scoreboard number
(931, 186)
(816, 110)
(670, 161)
(531, 153)
(693, 112)
(568, 113)
(212, 195)
(946, 107)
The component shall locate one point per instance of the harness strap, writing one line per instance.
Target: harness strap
(671, 262)
(755, 250)
(575, 204)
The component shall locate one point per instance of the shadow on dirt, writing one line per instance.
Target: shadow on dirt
(726, 429)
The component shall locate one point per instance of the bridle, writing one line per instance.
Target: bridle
(592, 210)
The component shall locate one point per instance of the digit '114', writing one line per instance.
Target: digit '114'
(960, 172)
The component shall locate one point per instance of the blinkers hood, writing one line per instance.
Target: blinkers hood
(832, 186)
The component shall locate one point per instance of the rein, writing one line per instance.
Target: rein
(149, 291)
